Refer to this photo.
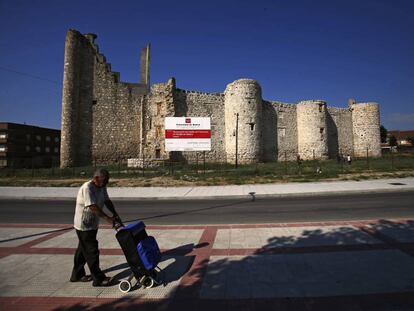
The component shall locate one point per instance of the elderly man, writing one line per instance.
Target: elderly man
(91, 199)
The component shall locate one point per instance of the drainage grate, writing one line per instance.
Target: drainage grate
(397, 184)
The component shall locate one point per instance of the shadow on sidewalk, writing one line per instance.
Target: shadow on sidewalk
(36, 234)
(326, 268)
(172, 272)
(191, 211)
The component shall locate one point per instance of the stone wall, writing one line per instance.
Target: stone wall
(100, 114)
(199, 104)
(106, 120)
(269, 132)
(340, 135)
(159, 104)
(116, 116)
(287, 131)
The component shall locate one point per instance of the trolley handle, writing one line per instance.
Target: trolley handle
(117, 223)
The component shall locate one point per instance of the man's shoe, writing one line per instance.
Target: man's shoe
(85, 278)
(105, 282)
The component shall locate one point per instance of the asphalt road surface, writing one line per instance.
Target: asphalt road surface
(221, 211)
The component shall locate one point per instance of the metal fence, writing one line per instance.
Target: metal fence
(198, 166)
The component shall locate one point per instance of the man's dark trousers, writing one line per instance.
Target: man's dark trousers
(87, 252)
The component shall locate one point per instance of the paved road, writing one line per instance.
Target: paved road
(265, 210)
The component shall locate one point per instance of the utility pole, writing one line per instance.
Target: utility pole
(237, 138)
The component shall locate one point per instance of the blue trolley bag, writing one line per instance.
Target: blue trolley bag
(129, 237)
(149, 252)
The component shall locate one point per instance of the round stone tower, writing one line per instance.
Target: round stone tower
(243, 115)
(69, 97)
(77, 98)
(312, 130)
(366, 129)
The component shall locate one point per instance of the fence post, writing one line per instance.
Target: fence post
(13, 168)
(143, 163)
(32, 168)
(204, 161)
(196, 162)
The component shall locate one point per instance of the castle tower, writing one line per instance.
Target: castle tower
(77, 100)
(312, 130)
(366, 129)
(243, 115)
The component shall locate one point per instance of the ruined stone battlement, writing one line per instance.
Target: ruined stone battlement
(105, 120)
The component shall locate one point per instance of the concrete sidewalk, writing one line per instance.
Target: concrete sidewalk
(233, 191)
(357, 265)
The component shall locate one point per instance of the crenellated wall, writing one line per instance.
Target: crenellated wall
(106, 120)
(100, 114)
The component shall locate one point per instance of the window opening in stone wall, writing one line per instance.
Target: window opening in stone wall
(251, 126)
(158, 108)
(157, 153)
(94, 102)
(320, 107)
(321, 131)
(282, 132)
(150, 123)
(158, 131)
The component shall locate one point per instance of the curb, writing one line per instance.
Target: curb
(225, 197)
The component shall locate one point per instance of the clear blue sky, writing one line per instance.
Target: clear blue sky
(297, 50)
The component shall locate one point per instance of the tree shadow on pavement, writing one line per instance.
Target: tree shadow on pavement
(314, 268)
(36, 234)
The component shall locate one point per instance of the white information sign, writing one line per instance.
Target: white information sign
(187, 134)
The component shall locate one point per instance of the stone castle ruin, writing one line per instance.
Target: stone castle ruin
(105, 120)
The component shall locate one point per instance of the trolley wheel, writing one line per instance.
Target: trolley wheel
(125, 286)
(147, 281)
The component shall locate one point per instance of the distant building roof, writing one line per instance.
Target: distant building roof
(401, 134)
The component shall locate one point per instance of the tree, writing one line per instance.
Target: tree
(411, 140)
(383, 133)
(393, 141)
